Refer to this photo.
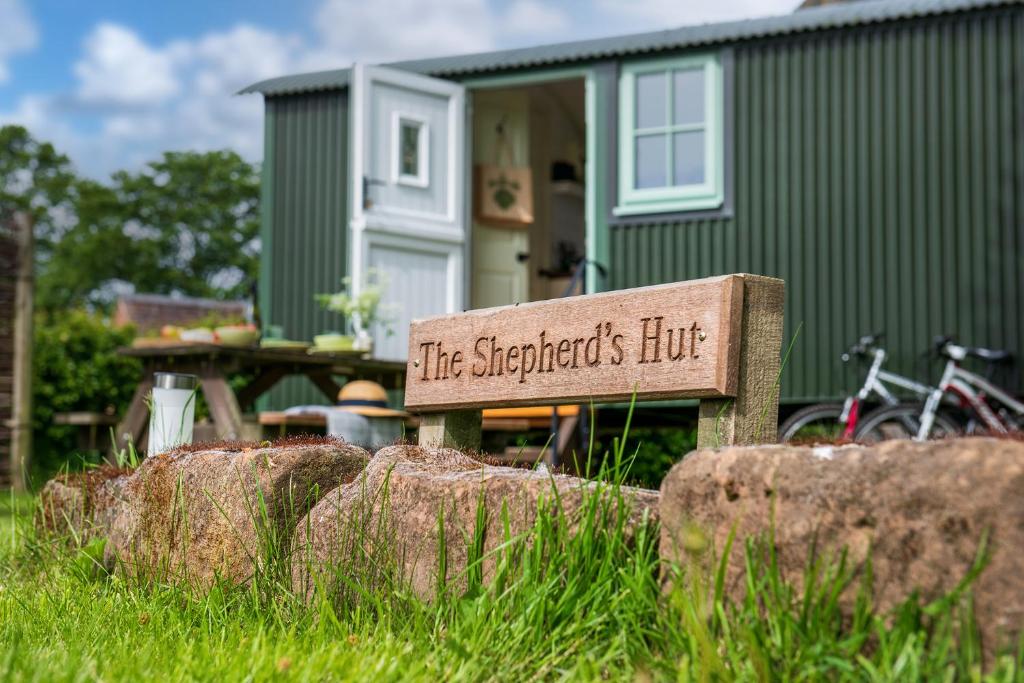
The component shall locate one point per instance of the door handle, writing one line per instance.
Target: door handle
(367, 182)
(523, 256)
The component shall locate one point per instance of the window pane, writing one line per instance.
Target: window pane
(651, 161)
(410, 149)
(688, 96)
(651, 102)
(688, 158)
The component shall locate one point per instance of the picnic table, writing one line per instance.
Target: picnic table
(212, 363)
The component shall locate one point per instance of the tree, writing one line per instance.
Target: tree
(35, 177)
(187, 224)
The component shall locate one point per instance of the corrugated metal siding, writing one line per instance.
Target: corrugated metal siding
(881, 174)
(832, 15)
(308, 163)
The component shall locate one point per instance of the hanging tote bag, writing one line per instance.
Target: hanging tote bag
(504, 191)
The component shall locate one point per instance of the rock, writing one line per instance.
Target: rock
(194, 516)
(393, 513)
(922, 509)
(77, 507)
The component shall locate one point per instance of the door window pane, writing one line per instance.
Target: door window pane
(688, 96)
(651, 100)
(410, 149)
(688, 158)
(651, 161)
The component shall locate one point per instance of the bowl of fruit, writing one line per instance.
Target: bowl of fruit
(237, 335)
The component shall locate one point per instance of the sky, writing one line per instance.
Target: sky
(114, 84)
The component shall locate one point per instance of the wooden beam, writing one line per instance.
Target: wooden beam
(21, 419)
(326, 384)
(227, 414)
(260, 385)
(753, 415)
(453, 429)
(133, 425)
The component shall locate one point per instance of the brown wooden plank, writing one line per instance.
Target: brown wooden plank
(326, 384)
(227, 415)
(133, 425)
(668, 341)
(753, 416)
(261, 384)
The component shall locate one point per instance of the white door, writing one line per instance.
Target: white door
(500, 263)
(408, 195)
(500, 256)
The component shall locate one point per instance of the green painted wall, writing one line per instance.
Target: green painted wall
(305, 181)
(880, 172)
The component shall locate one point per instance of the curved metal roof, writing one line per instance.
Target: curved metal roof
(811, 19)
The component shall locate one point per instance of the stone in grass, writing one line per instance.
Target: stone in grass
(921, 508)
(389, 518)
(194, 515)
(76, 507)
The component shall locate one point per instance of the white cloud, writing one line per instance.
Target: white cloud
(18, 33)
(138, 98)
(529, 17)
(118, 68)
(649, 15)
(384, 30)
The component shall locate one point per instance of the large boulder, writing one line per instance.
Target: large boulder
(412, 504)
(77, 507)
(193, 516)
(921, 509)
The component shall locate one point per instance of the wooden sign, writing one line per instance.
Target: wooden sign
(668, 341)
(716, 339)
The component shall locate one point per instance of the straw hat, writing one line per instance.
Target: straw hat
(366, 398)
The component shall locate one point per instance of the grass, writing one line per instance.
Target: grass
(560, 606)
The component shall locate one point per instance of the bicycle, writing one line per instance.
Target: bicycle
(831, 421)
(970, 390)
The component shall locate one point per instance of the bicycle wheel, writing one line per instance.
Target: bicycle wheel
(903, 422)
(814, 424)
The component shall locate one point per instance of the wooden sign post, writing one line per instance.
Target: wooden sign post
(717, 340)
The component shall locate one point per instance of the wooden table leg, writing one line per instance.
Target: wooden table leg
(326, 384)
(262, 383)
(133, 425)
(227, 414)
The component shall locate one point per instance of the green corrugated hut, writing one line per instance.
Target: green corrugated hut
(871, 154)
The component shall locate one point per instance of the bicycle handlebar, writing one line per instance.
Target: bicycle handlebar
(864, 346)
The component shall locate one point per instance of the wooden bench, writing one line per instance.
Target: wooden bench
(93, 432)
(561, 421)
(494, 420)
(282, 421)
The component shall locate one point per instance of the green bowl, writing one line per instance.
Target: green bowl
(237, 336)
(334, 342)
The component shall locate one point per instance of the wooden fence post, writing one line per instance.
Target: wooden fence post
(753, 416)
(453, 429)
(21, 421)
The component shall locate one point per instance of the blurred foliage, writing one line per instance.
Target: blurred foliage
(657, 449)
(186, 224)
(76, 368)
(36, 178)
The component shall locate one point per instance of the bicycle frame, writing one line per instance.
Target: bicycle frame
(875, 383)
(972, 390)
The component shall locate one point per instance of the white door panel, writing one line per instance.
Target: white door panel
(391, 107)
(408, 185)
(499, 277)
(419, 280)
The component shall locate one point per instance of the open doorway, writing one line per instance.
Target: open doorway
(535, 135)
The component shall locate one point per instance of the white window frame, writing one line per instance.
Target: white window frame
(421, 178)
(707, 195)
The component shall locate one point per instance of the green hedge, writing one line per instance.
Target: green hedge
(76, 368)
